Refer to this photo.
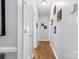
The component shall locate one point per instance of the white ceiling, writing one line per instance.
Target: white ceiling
(43, 10)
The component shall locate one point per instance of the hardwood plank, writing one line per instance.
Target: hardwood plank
(43, 51)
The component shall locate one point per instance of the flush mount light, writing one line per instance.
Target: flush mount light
(43, 2)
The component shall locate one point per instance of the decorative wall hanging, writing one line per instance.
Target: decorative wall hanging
(37, 25)
(75, 8)
(54, 10)
(52, 22)
(2, 18)
(54, 29)
(42, 24)
(59, 15)
(45, 27)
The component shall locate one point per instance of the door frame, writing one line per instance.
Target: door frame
(19, 29)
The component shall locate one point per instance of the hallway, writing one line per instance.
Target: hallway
(50, 25)
(43, 51)
(38, 29)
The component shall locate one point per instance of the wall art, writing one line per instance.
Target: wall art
(59, 15)
(2, 18)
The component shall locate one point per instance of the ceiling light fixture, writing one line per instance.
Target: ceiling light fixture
(43, 2)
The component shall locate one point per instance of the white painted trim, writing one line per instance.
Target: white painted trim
(8, 49)
(54, 51)
(49, 31)
(38, 32)
(19, 30)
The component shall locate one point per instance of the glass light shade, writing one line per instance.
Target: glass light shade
(44, 2)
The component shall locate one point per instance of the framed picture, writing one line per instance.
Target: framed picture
(2, 18)
(42, 24)
(52, 22)
(54, 29)
(45, 27)
(54, 10)
(59, 15)
(37, 25)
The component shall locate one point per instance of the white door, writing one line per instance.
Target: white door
(27, 29)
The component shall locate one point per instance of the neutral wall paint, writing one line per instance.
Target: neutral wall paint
(65, 40)
(35, 33)
(43, 33)
(12, 55)
(10, 40)
(68, 37)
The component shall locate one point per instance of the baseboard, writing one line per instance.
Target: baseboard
(43, 40)
(54, 51)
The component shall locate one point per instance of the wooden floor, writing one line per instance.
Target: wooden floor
(43, 51)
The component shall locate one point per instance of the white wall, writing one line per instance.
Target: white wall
(10, 55)
(68, 36)
(69, 41)
(43, 33)
(10, 40)
(35, 32)
(65, 41)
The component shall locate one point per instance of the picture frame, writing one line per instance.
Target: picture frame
(2, 18)
(55, 29)
(59, 15)
(45, 27)
(54, 10)
(42, 24)
(37, 25)
(52, 22)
